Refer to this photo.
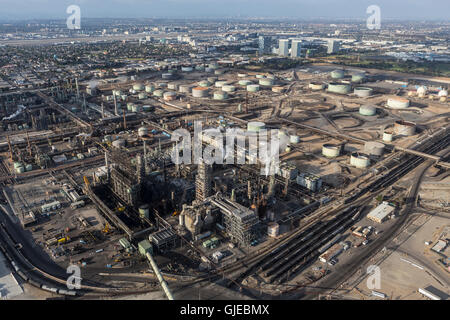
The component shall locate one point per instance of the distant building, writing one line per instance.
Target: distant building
(296, 49)
(333, 46)
(264, 44)
(283, 47)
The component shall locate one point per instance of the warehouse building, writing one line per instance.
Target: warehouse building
(381, 213)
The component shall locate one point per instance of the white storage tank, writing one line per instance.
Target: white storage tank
(187, 69)
(397, 103)
(294, 139)
(185, 88)
(404, 128)
(331, 150)
(221, 83)
(149, 88)
(169, 95)
(228, 88)
(138, 87)
(253, 87)
(359, 160)
(119, 143)
(315, 86)
(337, 74)
(142, 131)
(374, 148)
(363, 92)
(388, 136)
(142, 96)
(255, 126)
(368, 110)
(172, 86)
(245, 82)
(273, 229)
(278, 89)
(266, 82)
(220, 95)
(200, 92)
(158, 93)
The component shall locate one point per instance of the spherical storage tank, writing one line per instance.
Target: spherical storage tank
(359, 160)
(255, 126)
(374, 148)
(341, 88)
(421, 91)
(397, 103)
(316, 86)
(142, 131)
(220, 95)
(337, 74)
(367, 110)
(363, 92)
(404, 128)
(253, 87)
(331, 150)
(200, 92)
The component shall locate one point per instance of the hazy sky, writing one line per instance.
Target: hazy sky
(403, 9)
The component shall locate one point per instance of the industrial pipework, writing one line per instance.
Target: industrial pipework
(159, 276)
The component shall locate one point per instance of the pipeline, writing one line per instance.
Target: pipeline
(159, 276)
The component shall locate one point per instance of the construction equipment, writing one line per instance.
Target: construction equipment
(106, 228)
(86, 181)
(175, 213)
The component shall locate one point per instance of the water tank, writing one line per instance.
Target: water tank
(397, 103)
(136, 108)
(119, 143)
(341, 88)
(374, 148)
(142, 131)
(368, 110)
(255, 126)
(337, 74)
(331, 150)
(253, 88)
(363, 92)
(200, 92)
(316, 86)
(228, 88)
(404, 128)
(359, 160)
(220, 95)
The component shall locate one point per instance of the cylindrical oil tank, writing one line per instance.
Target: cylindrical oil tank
(273, 229)
(368, 110)
(220, 83)
(209, 70)
(363, 92)
(200, 67)
(169, 95)
(374, 148)
(220, 95)
(359, 160)
(200, 92)
(278, 89)
(187, 69)
(219, 71)
(316, 86)
(421, 91)
(337, 74)
(162, 84)
(358, 77)
(167, 76)
(158, 93)
(294, 139)
(266, 82)
(241, 75)
(136, 108)
(119, 143)
(172, 86)
(271, 76)
(331, 150)
(204, 83)
(149, 88)
(138, 87)
(28, 167)
(341, 88)
(17, 164)
(443, 93)
(228, 88)
(185, 88)
(20, 169)
(142, 96)
(130, 106)
(213, 65)
(397, 103)
(255, 126)
(388, 136)
(260, 76)
(245, 82)
(212, 80)
(253, 87)
(144, 211)
(404, 128)
(142, 131)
